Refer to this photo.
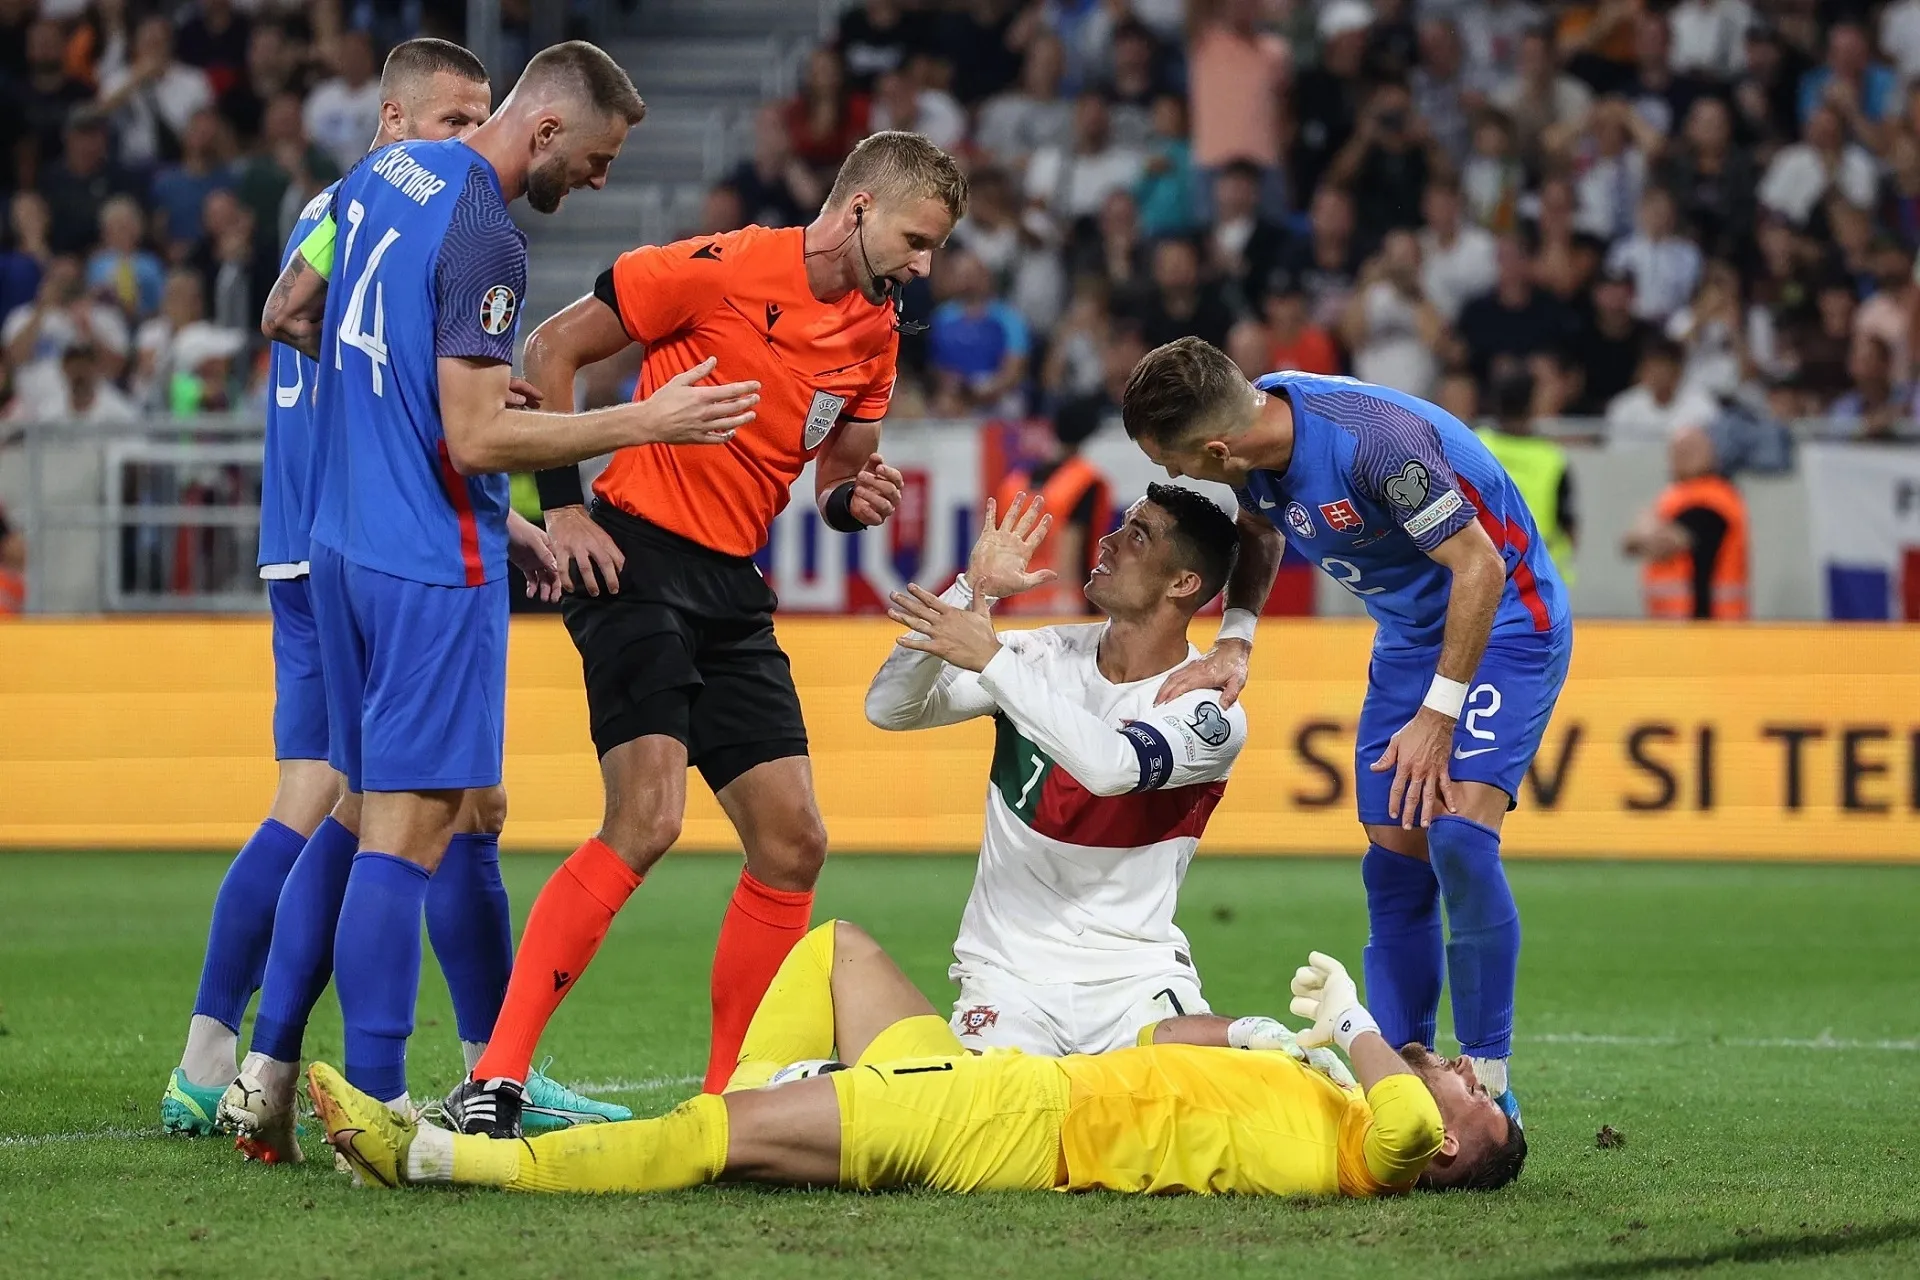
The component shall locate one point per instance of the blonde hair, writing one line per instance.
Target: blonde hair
(898, 166)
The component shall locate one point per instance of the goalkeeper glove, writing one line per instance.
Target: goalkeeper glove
(1325, 992)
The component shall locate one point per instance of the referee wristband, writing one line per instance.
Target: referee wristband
(1445, 696)
(559, 487)
(1236, 624)
(837, 510)
(1354, 1022)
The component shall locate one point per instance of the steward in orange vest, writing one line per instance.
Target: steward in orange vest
(1081, 503)
(1694, 540)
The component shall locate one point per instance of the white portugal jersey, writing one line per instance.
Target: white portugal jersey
(1095, 803)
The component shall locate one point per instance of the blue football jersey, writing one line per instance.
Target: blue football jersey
(430, 265)
(286, 504)
(1378, 479)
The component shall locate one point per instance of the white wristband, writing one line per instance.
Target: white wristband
(1446, 696)
(1354, 1022)
(1236, 624)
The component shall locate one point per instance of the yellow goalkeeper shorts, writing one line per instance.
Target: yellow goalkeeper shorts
(918, 1110)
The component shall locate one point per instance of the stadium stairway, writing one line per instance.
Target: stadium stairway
(703, 66)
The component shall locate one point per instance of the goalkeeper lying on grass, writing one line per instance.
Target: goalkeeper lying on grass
(1185, 1113)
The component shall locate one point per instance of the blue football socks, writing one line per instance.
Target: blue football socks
(242, 927)
(471, 927)
(1404, 957)
(377, 969)
(301, 959)
(1483, 927)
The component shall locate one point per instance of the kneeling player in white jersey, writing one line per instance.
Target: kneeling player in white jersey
(1097, 797)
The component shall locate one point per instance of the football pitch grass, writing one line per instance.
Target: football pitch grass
(1751, 1033)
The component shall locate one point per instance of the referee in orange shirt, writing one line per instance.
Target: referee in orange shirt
(673, 621)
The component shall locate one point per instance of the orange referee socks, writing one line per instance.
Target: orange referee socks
(761, 926)
(568, 922)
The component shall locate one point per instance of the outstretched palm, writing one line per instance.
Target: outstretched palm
(998, 565)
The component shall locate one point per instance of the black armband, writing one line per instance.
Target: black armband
(837, 510)
(560, 487)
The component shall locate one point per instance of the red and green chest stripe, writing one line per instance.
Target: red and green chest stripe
(1053, 804)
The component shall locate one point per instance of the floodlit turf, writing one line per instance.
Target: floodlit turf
(1753, 1032)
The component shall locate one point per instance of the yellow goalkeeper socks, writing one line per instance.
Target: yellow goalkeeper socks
(684, 1148)
(795, 1019)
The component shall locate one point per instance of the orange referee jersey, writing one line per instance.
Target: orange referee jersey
(742, 297)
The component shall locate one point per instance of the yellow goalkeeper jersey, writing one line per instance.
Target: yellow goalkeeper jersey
(1181, 1118)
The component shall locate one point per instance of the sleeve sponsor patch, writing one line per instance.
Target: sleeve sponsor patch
(1449, 502)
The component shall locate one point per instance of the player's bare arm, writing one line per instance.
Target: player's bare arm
(484, 435)
(295, 307)
(1224, 667)
(852, 458)
(584, 332)
(1417, 754)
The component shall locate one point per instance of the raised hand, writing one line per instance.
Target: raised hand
(961, 637)
(998, 565)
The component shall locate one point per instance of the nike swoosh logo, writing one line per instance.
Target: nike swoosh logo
(1265, 505)
(287, 397)
(1458, 754)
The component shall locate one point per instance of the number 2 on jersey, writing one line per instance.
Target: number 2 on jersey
(353, 331)
(1350, 578)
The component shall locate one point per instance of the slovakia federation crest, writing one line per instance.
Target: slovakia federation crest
(1298, 520)
(497, 310)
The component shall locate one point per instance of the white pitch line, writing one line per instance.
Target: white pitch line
(77, 1135)
(1825, 1040)
(646, 1085)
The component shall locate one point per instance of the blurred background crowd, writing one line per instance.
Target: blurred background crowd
(1636, 218)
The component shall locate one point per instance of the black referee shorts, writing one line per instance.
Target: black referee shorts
(686, 649)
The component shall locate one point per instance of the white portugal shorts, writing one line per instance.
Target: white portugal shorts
(997, 1010)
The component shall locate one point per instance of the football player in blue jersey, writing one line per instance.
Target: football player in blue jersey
(416, 425)
(1401, 504)
(430, 89)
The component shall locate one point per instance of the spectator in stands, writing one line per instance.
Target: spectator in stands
(181, 189)
(775, 186)
(83, 179)
(1385, 165)
(1656, 406)
(272, 68)
(1664, 264)
(1294, 341)
(1077, 495)
(1712, 180)
(230, 259)
(1442, 98)
(1565, 258)
(1326, 99)
(61, 315)
(1493, 180)
(1115, 249)
(1076, 349)
(1237, 81)
(721, 210)
(1183, 303)
(1801, 175)
(1250, 348)
(1887, 314)
(1900, 37)
(1712, 329)
(205, 377)
(1456, 257)
(100, 41)
(1166, 191)
(214, 38)
(283, 173)
(1244, 247)
(905, 99)
(1596, 39)
(826, 117)
(120, 270)
(1877, 406)
(1610, 166)
(1514, 318)
(1392, 329)
(1490, 33)
(1710, 37)
(1849, 81)
(154, 97)
(29, 250)
(1323, 264)
(978, 346)
(182, 303)
(1459, 395)
(74, 388)
(1030, 115)
(876, 37)
(1069, 183)
(1133, 84)
(1693, 539)
(1393, 41)
(343, 113)
(1658, 96)
(13, 569)
(983, 39)
(1766, 98)
(1822, 341)
(1540, 99)
(38, 105)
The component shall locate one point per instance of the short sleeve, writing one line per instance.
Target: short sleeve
(1399, 462)
(660, 290)
(1187, 741)
(480, 278)
(871, 405)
